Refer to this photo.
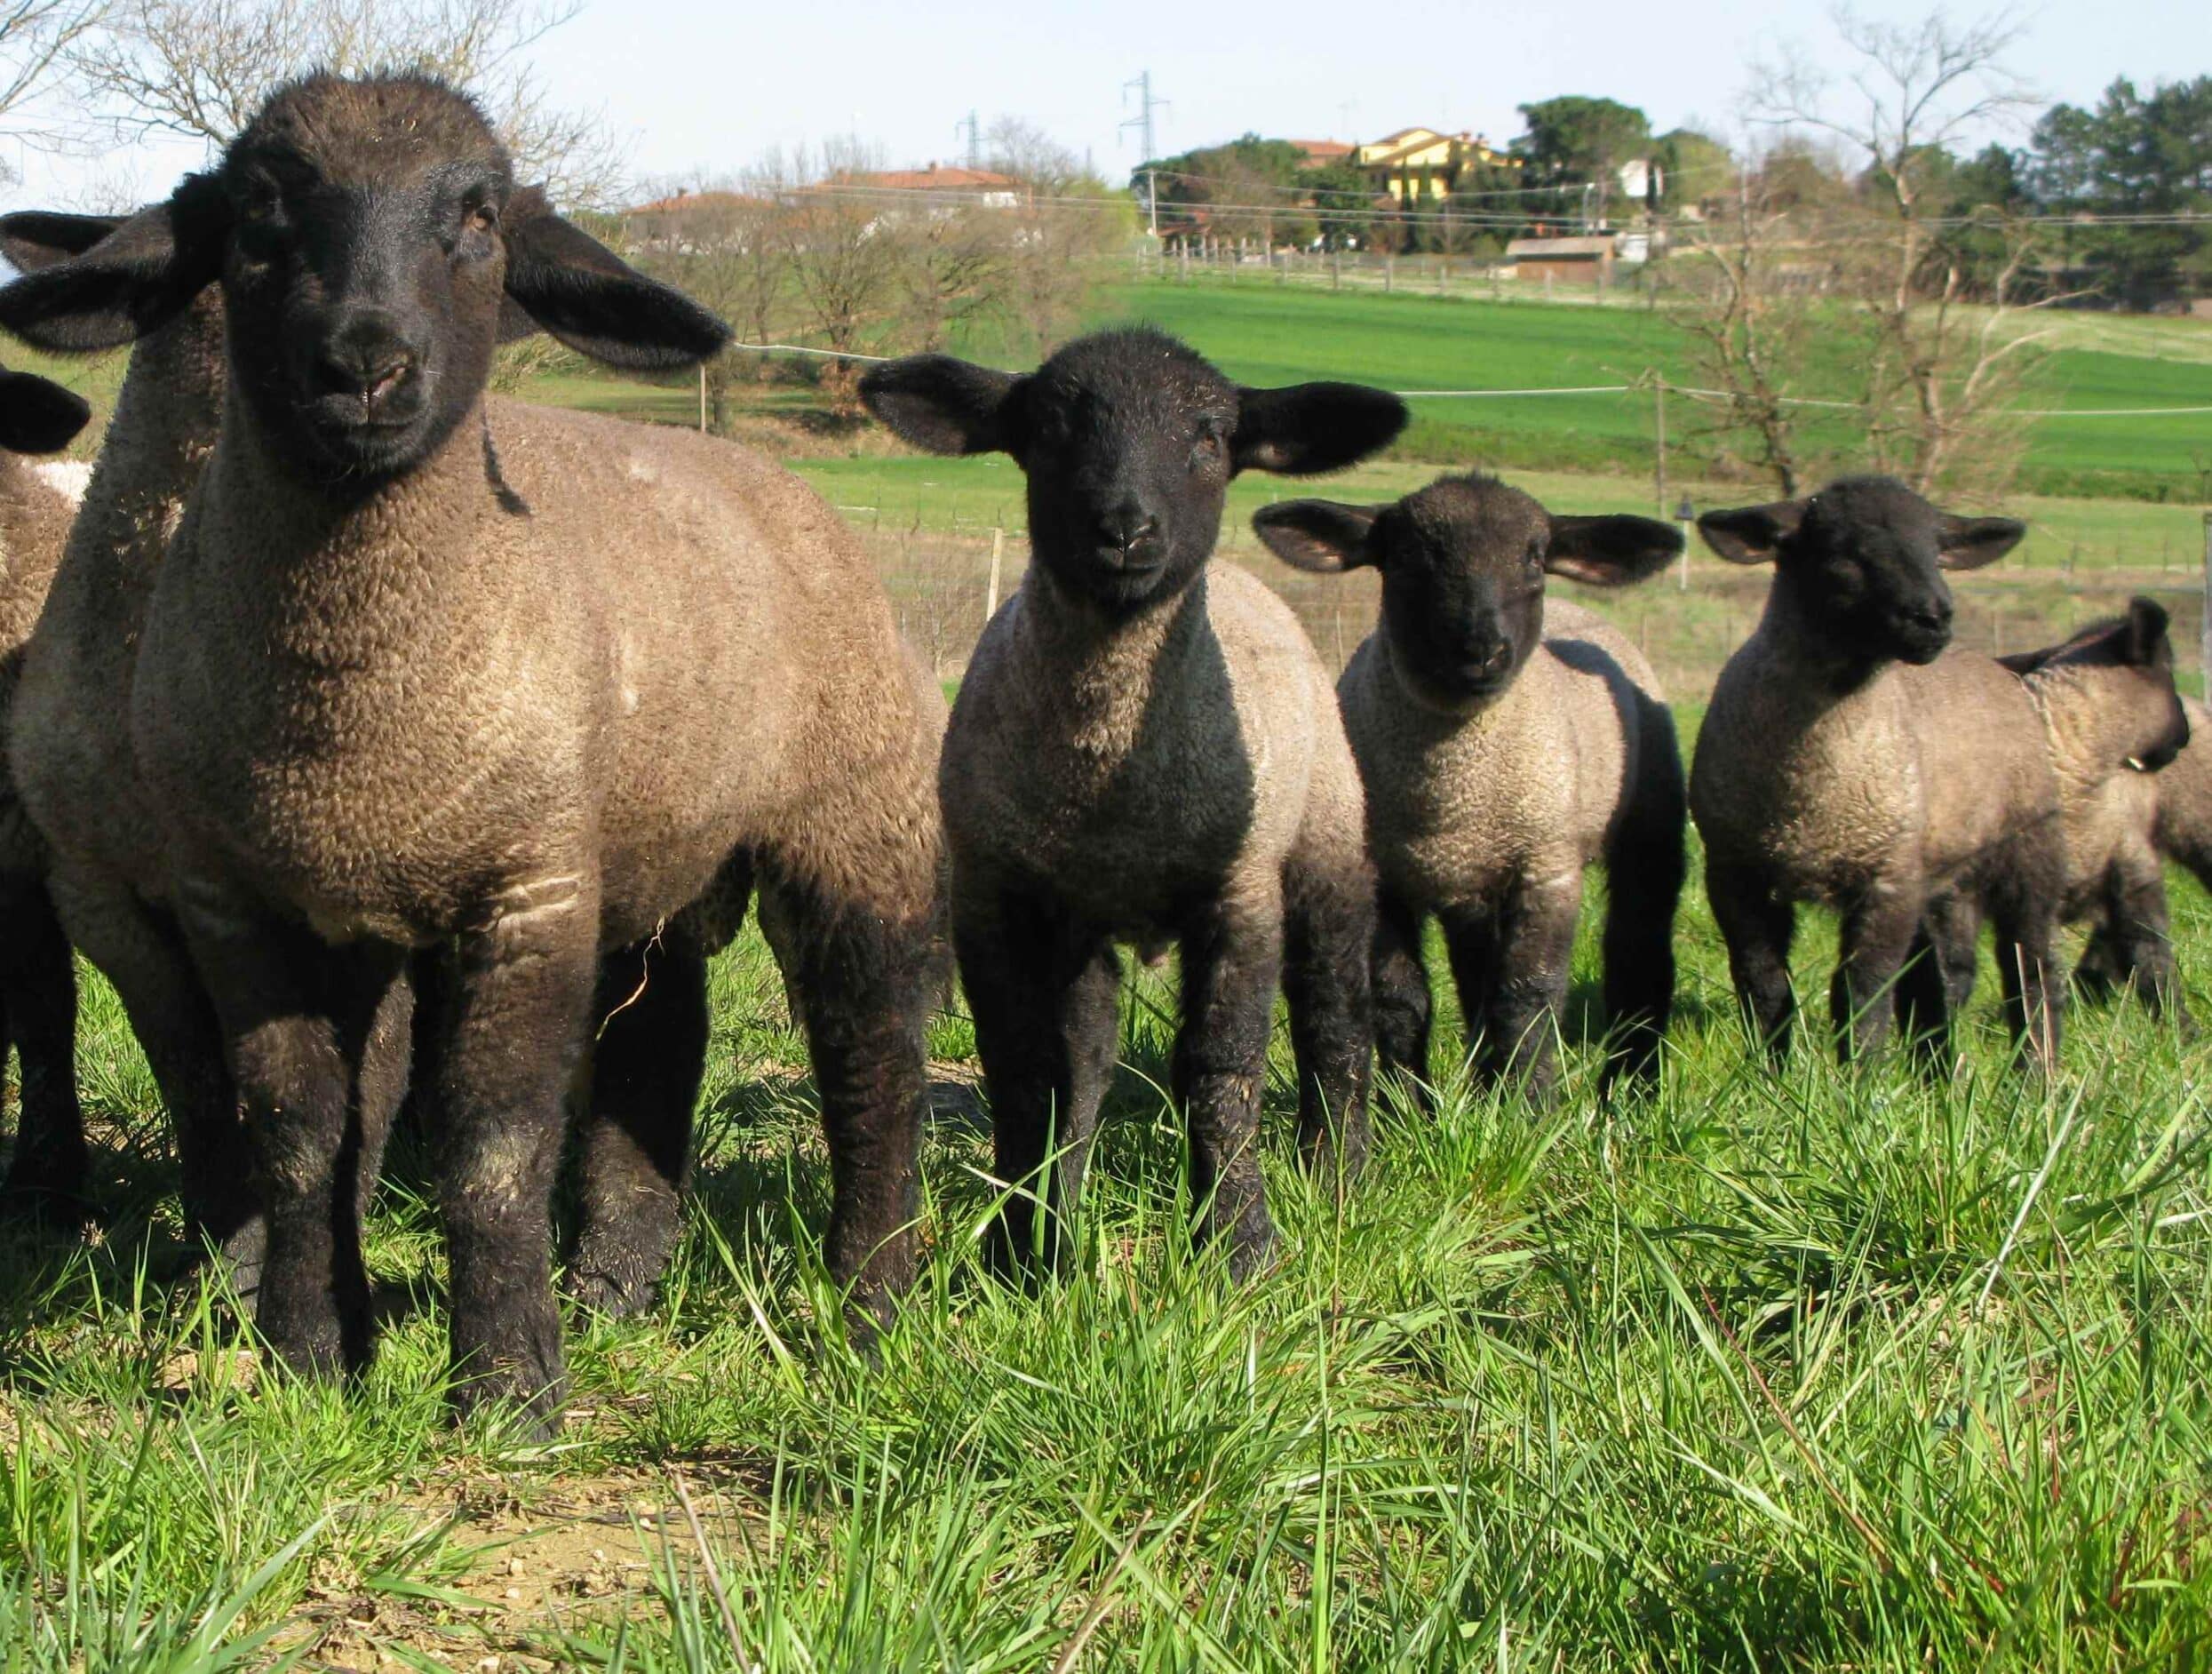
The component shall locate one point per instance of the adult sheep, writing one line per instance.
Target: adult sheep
(539, 693)
(1847, 761)
(2118, 732)
(1507, 744)
(1146, 748)
(37, 979)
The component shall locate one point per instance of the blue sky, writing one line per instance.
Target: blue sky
(705, 86)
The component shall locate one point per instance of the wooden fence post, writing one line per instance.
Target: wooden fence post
(990, 595)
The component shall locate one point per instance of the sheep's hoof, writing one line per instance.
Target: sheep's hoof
(525, 1403)
(606, 1294)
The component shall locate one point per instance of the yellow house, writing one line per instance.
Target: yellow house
(1417, 163)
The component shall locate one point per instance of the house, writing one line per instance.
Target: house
(1584, 260)
(986, 188)
(692, 221)
(1322, 154)
(1417, 163)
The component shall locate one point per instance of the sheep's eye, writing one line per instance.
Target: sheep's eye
(1207, 448)
(485, 217)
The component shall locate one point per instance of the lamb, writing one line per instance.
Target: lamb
(1505, 746)
(2176, 809)
(1145, 749)
(2118, 732)
(37, 979)
(532, 698)
(1847, 761)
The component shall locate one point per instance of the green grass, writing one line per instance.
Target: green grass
(1797, 1371)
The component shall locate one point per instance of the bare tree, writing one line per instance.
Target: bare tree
(844, 259)
(202, 67)
(1938, 375)
(1062, 226)
(36, 37)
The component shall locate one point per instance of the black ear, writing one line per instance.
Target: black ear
(2145, 641)
(33, 240)
(1967, 543)
(593, 300)
(1309, 427)
(38, 415)
(2028, 662)
(944, 405)
(1611, 552)
(1752, 534)
(134, 281)
(1322, 536)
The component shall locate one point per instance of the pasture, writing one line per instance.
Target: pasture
(1807, 1370)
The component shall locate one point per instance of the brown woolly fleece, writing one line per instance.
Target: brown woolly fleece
(2184, 798)
(1529, 787)
(35, 519)
(2095, 718)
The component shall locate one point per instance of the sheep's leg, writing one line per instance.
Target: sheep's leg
(1328, 939)
(2142, 946)
(1232, 958)
(1878, 932)
(862, 978)
(517, 993)
(144, 955)
(1404, 1002)
(1044, 995)
(2102, 970)
(38, 1015)
(1533, 962)
(1953, 921)
(2023, 907)
(1758, 925)
(635, 1150)
(1924, 1004)
(318, 1043)
(1645, 868)
(1472, 941)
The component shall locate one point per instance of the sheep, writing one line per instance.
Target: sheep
(69, 738)
(37, 979)
(1145, 749)
(528, 698)
(1505, 745)
(2174, 806)
(1846, 759)
(2118, 732)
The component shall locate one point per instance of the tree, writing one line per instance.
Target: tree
(2144, 157)
(844, 268)
(1575, 142)
(1064, 222)
(1698, 170)
(203, 67)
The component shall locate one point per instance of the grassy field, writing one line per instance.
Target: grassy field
(1778, 1371)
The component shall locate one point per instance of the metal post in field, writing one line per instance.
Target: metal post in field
(1659, 416)
(990, 594)
(2204, 644)
(1684, 514)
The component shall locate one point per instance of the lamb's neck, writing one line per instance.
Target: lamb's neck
(339, 577)
(1096, 674)
(1820, 678)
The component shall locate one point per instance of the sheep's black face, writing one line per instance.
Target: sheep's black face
(1863, 561)
(1463, 566)
(1128, 454)
(2125, 665)
(1129, 439)
(363, 283)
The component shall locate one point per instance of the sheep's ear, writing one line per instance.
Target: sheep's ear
(38, 415)
(1325, 537)
(1752, 534)
(33, 240)
(944, 405)
(2145, 644)
(1611, 552)
(2027, 662)
(134, 281)
(1304, 428)
(1967, 543)
(593, 300)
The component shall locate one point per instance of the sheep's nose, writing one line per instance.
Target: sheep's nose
(367, 358)
(1482, 664)
(1126, 528)
(1933, 618)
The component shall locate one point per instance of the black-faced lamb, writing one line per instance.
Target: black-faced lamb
(1506, 742)
(538, 694)
(1849, 759)
(1146, 748)
(2118, 732)
(37, 978)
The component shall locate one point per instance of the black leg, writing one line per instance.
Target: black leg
(518, 997)
(1329, 933)
(1923, 1005)
(863, 980)
(2104, 969)
(2023, 907)
(634, 1152)
(318, 1043)
(1758, 925)
(2137, 920)
(1232, 958)
(1645, 870)
(1532, 965)
(1044, 992)
(1877, 936)
(38, 1016)
(1403, 1003)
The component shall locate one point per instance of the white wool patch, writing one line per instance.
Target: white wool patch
(69, 478)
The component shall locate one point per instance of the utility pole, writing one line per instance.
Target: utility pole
(973, 128)
(1149, 137)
